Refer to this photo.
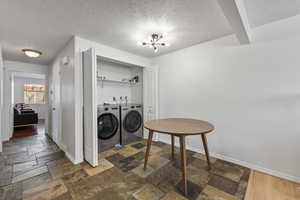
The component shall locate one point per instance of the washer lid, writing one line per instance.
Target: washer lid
(132, 121)
(107, 126)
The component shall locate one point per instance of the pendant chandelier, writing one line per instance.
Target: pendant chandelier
(155, 41)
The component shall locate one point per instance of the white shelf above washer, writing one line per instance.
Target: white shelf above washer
(125, 82)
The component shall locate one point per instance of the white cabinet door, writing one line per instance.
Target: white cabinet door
(150, 76)
(90, 107)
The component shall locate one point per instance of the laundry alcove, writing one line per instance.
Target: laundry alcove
(107, 81)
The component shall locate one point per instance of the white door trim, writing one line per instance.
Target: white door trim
(150, 95)
(1, 100)
(7, 99)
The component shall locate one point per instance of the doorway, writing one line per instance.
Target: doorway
(30, 104)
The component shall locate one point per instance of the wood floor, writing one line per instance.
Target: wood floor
(25, 131)
(266, 187)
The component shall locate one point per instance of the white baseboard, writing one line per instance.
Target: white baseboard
(62, 147)
(242, 163)
(68, 155)
(72, 159)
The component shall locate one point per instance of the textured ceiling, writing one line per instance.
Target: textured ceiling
(48, 25)
(262, 12)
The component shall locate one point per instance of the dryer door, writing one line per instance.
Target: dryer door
(132, 121)
(107, 126)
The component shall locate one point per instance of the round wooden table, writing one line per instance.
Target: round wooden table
(181, 128)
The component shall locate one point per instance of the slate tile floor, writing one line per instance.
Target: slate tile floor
(35, 168)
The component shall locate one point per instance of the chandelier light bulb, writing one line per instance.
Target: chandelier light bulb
(154, 41)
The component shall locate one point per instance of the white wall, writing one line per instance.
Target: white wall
(62, 85)
(25, 67)
(278, 30)
(41, 109)
(108, 90)
(250, 93)
(118, 72)
(11, 67)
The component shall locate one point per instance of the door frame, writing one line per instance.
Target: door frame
(7, 105)
(1, 100)
(147, 108)
(103, 51)
(9, 85)
(154, 69)
(55, 104)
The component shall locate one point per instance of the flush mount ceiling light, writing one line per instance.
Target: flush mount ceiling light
(32, 53)
(154, 42)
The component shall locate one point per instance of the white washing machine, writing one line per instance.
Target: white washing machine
(108, 127)
(131, 123)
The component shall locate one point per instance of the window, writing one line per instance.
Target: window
(34, 94)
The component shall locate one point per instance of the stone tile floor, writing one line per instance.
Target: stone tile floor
(35, 168)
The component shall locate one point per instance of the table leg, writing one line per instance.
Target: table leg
(204, 140)
(148, 148)
(172, 143)
(183, 163)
